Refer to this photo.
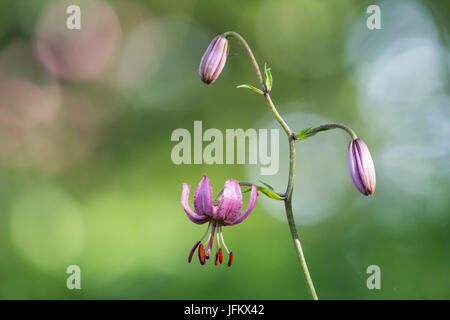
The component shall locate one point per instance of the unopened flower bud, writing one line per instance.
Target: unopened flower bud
(360, 166)
(213, 59)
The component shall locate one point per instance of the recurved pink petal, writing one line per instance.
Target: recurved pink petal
(231, 201)
(203, 197)
(251, 204)
(194, 217)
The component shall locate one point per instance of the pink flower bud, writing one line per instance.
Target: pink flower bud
(361, 168)
(213, 59)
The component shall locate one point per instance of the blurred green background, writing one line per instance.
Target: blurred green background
(86, 176)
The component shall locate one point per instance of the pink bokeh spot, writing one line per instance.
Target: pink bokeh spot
(78, 54)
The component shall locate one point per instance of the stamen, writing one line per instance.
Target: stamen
(217, 237)
(231, 259)
(191, 253)
(206, 232)
(207, 241)
(201, 254)
(220, 255)
(216, 259)
(211, 240)
(223, 241)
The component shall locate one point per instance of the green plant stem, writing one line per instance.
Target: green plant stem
(329, 126)
(291, 221)
(250, 53)
(290, 185)
(277, 115)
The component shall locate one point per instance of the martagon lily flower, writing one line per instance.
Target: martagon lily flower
(224, 211)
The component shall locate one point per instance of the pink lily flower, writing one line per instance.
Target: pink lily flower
(224, 211)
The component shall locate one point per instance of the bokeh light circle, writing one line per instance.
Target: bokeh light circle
(402, 79)
(47, 228)
(158, 65)
(321, 170)
(78, 54)
(305, 39)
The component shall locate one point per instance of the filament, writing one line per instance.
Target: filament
(223, 241)
(217, 235)
(207, 229)
(211, 239)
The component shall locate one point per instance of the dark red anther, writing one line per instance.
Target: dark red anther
(216, 259)
(231, 259)
(220, 255)
(201, 254)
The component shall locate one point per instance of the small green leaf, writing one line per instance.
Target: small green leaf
(269, 193)
(266, 184)
(268, 80)
(251, 88)
(302, 135)
(322, 129)
(310, 134)
(305, 134)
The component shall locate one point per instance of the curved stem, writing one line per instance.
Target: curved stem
(298, 248)
(329, 126)
(290, 185)
(261, 79)
(250, 53)
(278, 116)
(291, 220)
